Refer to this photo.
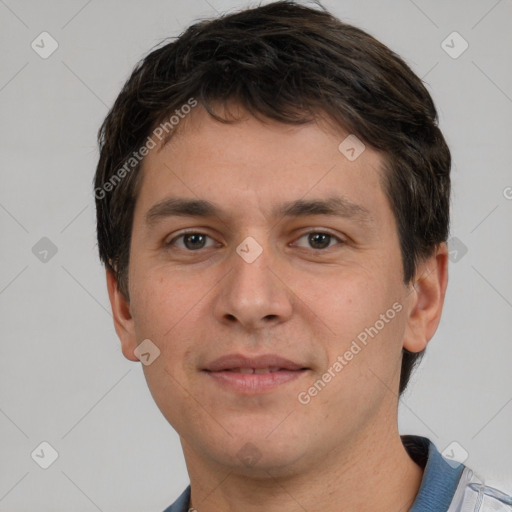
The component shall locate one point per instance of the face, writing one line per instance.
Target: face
(277, 299)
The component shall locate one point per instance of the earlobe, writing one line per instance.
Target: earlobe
(123, 320)
(426, 300)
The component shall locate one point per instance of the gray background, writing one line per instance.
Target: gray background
(63, 378)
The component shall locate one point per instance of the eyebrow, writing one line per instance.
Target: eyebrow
(334, 206)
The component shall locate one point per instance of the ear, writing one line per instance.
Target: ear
(426, 300)
(123, 321)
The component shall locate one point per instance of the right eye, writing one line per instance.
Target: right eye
(191, 241)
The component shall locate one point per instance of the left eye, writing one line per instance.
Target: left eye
(319, 240)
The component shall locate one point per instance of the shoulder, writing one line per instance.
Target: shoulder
(474, 495)
(449, 485)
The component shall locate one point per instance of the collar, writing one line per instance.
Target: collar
(440, 478)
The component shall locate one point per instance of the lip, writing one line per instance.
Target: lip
(233, 361)
(226, 371)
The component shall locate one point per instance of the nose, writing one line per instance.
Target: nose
(253, 294)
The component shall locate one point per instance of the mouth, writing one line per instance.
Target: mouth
(254, 370)
(253, 375)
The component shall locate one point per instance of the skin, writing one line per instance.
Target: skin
(303, 303)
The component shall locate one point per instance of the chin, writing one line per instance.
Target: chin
(255, 453)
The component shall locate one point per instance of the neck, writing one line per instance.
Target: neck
(374, 473)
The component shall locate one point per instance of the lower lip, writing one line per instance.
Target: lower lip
(254, 383)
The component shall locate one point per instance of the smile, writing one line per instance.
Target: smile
(253, 375)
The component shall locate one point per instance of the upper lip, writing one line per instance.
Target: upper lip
(234, 361)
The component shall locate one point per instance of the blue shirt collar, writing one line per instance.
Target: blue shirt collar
(440, 478)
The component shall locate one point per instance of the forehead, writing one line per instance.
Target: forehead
(260, 163)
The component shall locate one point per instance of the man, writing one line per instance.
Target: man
(273, 206)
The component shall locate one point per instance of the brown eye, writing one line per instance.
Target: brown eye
(190, 241)
(319, 240)
(194, 241)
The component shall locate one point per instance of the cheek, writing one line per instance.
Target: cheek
(168, 313)
(371, 354)
(348, 300)
(160, 302)
(365, 323)
(171, 310)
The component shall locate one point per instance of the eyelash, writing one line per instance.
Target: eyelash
(171, 243)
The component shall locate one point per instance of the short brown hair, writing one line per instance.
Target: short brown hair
(290, 63)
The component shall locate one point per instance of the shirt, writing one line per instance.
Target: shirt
(446, 486)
